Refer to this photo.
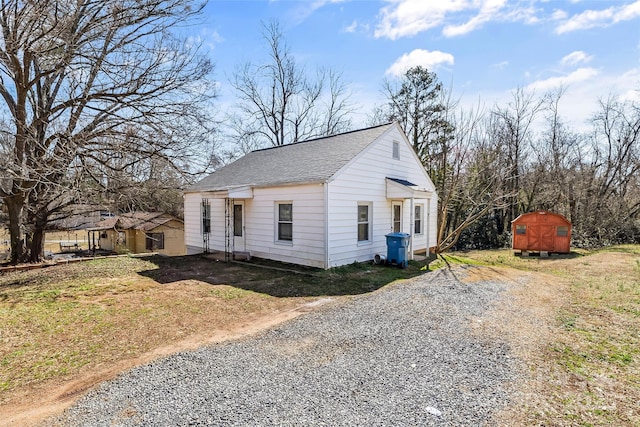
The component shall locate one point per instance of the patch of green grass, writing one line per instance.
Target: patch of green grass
(622, 310)
(447, 259)
(573, 361)
(622, 358)
(627, 249)
(568, 321)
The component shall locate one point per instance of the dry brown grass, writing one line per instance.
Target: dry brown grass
(52, 241)
(575, 322)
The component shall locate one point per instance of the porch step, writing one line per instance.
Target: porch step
(242, 256)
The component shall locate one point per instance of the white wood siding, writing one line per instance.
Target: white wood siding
(363, 180)
(307, 246)
(192, 233)
(193, 222)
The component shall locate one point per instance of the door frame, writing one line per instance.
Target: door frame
(239, 240)
(400, 204)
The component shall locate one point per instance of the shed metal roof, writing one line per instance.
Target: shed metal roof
(314, 160)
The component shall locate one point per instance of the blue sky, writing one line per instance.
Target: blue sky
(482, 49)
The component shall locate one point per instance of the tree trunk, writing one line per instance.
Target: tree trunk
(36, 245)
(38, 219)
(15, 206)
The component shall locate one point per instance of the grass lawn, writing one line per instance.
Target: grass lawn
(68, 321)
(589, 372)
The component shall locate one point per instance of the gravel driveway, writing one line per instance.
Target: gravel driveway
(402, 356)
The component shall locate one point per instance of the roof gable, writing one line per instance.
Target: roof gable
(315, 160)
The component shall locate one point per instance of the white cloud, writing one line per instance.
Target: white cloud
(600, 18)
(405, 18)
(575, 58)
(501, 65)
(577, 76)
(355, 26)
(630, 83)
(207, 37)
(351, 28)
(559, 15)
(307, 8)
(520, 14)
(488, 12)
(580, 101)
(425, 58)
(410, 17)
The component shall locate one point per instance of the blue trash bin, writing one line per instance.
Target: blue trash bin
(398, 249)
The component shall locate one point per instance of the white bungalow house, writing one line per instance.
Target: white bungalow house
(325, 202)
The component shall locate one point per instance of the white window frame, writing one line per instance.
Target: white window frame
(369, 222)
(418, 208)
(395, 150)
(278, 222)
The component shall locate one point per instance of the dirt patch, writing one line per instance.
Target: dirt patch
(526, 318)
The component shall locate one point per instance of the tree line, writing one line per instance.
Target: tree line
(108, 103)
(491, 165)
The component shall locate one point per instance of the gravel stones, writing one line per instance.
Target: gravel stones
(404, 355)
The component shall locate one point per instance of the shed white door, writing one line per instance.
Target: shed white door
(238, 227)
(396, 217)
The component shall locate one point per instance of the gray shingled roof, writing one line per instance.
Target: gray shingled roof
(315, 160)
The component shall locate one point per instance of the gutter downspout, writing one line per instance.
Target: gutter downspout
(412, 228)
(326, 225)
(428, 224)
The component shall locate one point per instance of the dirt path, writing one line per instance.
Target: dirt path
(526, 317)
(56, 398)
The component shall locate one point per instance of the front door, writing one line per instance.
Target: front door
(238, 227)
(396, 217)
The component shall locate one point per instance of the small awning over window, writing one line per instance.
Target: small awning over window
(403, 189)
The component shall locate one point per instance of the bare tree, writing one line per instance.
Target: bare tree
(550, 181)
(86, 86)
(470, 187)
(512, 126)
(279, 104)
(615, 190)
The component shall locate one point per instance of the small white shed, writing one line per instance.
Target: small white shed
(325, 202)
